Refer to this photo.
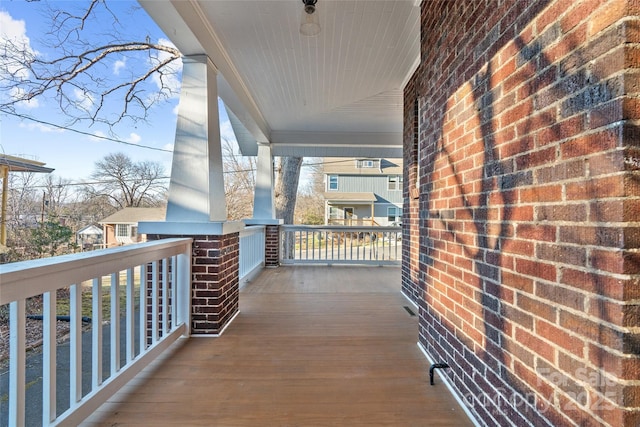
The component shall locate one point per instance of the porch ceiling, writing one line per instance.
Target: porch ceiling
(336, 94)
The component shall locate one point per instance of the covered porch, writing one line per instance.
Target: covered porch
(304, 350)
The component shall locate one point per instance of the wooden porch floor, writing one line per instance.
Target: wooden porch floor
(312, 346)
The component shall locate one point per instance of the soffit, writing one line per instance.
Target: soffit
(339, 90)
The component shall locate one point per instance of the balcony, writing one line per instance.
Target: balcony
(303, 349)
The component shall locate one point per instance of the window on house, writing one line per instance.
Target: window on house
(134, 231)
(334, 213)
(333, 182)
(394, 214)
(366, 164)
(122, 230)
(394, 182)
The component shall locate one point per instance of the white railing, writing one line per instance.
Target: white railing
(251, 251)
(156, 274)
(340, 245)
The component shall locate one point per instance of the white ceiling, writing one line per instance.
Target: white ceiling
(336, 94)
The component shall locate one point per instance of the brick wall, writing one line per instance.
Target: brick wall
(272, 246)
(214, 281)
(523, 248)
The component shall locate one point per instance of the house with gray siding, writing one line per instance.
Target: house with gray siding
(362, 191)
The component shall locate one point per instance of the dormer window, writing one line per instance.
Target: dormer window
(366, 164)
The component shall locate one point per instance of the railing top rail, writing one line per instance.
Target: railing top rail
(250, 229)
(342, 227)
(28, 278)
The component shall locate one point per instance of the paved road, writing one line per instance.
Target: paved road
(34, 376)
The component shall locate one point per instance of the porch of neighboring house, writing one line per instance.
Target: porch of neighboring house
(304, 350)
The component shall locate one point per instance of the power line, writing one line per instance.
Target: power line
(119, 141)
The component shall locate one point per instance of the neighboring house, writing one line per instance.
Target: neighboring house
(121, 228)
(363, 191)
(89, 237)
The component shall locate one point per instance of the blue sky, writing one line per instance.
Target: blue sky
(72, 154)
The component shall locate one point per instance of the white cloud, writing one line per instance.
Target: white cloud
(98, 136)
(18, 93)
(119, 65)
(41, 127)
(13, 38)
(85, 99)
(134, 138)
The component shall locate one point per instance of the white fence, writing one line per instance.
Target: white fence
(147, 313)
(251, 251)
(341, 245)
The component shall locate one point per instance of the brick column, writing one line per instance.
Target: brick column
(215, 284)
(272, 246)
(214, 281)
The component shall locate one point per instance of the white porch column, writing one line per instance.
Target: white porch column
(263, 200)
(196, 189)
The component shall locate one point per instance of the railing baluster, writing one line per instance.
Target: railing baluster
(48, 357)
(143, 308)
(349, 245)
(183, 297)
(115, 323)
(174, 288)
(326, 244)
(75, 345)
(130, 312)
(17, 327)
(345, 247)
(165, 297)
(45, 277)
(96, 333)
(154, 301)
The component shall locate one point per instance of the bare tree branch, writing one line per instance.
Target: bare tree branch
(84, 79)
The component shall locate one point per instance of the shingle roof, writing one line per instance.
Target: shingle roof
(334, 196)
(135, 215)
(347, 166)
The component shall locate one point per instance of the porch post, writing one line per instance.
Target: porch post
(264, 212)
(373, 212)
(263, 202)
(197, 206)
(196, 189)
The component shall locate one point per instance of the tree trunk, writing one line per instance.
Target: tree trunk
(286, 190)
(287, 177)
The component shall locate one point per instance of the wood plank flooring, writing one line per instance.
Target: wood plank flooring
(312, 346)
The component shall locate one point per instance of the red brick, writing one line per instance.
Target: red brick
(536, 269)
(578, 13)
(609, 13)
(560, 337)
(538, 307)
(546, 233)
(538, 346)
(561, 296)
(540, 194)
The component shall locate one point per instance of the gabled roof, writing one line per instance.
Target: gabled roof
(347, 166)
(135, 215)
(90, 230)
(18, 164)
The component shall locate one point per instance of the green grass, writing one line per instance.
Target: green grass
(63, 300)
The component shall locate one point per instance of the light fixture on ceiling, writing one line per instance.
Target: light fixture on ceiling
(310, 24)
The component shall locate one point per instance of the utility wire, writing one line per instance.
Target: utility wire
(119, 141)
